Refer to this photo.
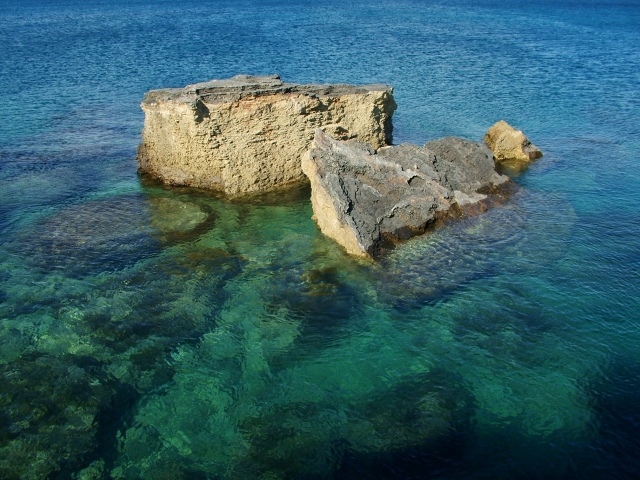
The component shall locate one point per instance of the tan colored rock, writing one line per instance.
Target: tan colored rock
(248, 134)
(507, 143)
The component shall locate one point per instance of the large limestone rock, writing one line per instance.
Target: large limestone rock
(247, 134)
(507, 143)
(364, 200)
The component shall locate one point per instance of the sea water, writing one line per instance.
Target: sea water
(149, 332)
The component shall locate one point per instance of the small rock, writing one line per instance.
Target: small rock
(507, 143)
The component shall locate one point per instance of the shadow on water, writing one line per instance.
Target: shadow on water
(415, 462)
(613, 453)
(280, 196)
(112, 417)
(320, 301)
(432, 423)
(423, 424)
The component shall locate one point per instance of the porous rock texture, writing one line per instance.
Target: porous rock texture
(363, 200)
(247, 134)
(507, 143)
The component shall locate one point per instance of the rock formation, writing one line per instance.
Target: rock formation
(507, 143)
(363, 199)
(247, 134)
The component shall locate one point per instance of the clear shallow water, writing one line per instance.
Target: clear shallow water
(157, 333)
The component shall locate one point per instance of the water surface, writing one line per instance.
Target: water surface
(153, 332)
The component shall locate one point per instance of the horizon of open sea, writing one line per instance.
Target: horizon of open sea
(154, 332)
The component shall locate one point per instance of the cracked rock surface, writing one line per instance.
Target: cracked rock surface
(365, 200)
(247, 134)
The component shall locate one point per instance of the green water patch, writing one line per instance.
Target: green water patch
(128, 319)
(254, 347)
(122, 325)
(227, 412)
(252, 398)
(125, 321)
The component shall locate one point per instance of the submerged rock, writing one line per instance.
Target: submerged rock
(171, 215)
(111, 233)
(365, 200)
(507, 143)
(247, 134)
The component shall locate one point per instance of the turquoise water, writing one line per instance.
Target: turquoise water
(161, 333)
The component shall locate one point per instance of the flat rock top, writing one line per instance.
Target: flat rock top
(235, 88)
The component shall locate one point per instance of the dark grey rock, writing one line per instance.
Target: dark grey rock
(465, 166)
(366, 200)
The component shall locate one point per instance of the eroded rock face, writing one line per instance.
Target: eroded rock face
(363, 199)
(247, 134)
(507, 143)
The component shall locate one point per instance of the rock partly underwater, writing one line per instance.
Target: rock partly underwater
(248, 135)
(111, 233)
(509, 144)
(365, 200)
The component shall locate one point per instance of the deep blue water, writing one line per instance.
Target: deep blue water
(161, 333)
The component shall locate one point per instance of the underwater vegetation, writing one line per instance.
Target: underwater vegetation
(235, 341)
